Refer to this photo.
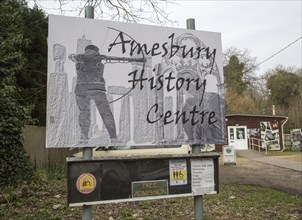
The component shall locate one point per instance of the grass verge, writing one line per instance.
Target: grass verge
(45, 198)
(292, 155)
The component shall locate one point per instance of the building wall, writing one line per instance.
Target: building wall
(255, 125)
(253, 122)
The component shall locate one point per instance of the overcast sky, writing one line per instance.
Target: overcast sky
(262, 27)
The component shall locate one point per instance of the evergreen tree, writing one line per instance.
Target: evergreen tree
(284, 86)
(20, 55)
(233, 75)
(285, 92)
(239, 79)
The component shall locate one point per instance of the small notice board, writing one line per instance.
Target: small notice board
(178, 172)
(229, 155)
(109, 180)
(203, 180)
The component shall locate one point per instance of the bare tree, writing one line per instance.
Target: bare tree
(140, 11)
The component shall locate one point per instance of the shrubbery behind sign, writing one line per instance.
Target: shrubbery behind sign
(119, 84)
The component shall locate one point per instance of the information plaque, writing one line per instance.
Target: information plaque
(121, 179)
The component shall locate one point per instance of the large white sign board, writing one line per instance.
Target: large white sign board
(120, 84)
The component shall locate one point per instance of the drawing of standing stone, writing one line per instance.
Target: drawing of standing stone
(73, 114)
(57, 132)
(159, 99)
(151, 98)
(140, 101)
(82, 43)
(124, 130)
(124, 120)
(179, 105)
(169, 128)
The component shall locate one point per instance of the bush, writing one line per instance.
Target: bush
(14, 163)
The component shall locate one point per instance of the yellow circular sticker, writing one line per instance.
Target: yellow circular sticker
(86, 183)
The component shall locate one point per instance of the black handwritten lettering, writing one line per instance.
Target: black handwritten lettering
(197, 116)
(155, 111)
(181, 80)
(123, 42)
(202, 84)
(174, 48)
(189, 80)
(182, 115)
(203, 114)
(160, 82)
(136, 48)
(152, 83)
(166, 117)
(211, 116)
(135, 80)
(193, 112)
(170, 80)
(154, 48)
(141, 48)
(165, 49)
(185, 54)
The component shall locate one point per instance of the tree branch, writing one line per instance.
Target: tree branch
(144, 11)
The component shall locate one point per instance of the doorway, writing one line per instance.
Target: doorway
(237, 137)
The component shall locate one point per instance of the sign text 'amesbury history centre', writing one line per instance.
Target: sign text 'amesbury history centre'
(120, 84)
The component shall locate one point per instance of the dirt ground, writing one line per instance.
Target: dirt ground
(251, 172)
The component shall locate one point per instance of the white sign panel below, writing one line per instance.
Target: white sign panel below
(202, 172)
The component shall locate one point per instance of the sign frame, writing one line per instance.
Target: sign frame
(134, 169)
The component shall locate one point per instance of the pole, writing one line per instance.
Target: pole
(87, 151)
(89, 12)
(196, 149)
(191, 23)
(198, 200)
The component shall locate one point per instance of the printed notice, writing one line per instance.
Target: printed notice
(149, 188)
(178, 172)
(202, 171)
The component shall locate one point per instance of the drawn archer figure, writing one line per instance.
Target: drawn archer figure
(91, 86)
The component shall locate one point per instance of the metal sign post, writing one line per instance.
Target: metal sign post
(196, 149)
(88, 151)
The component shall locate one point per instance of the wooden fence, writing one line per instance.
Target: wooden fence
(34, 144)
